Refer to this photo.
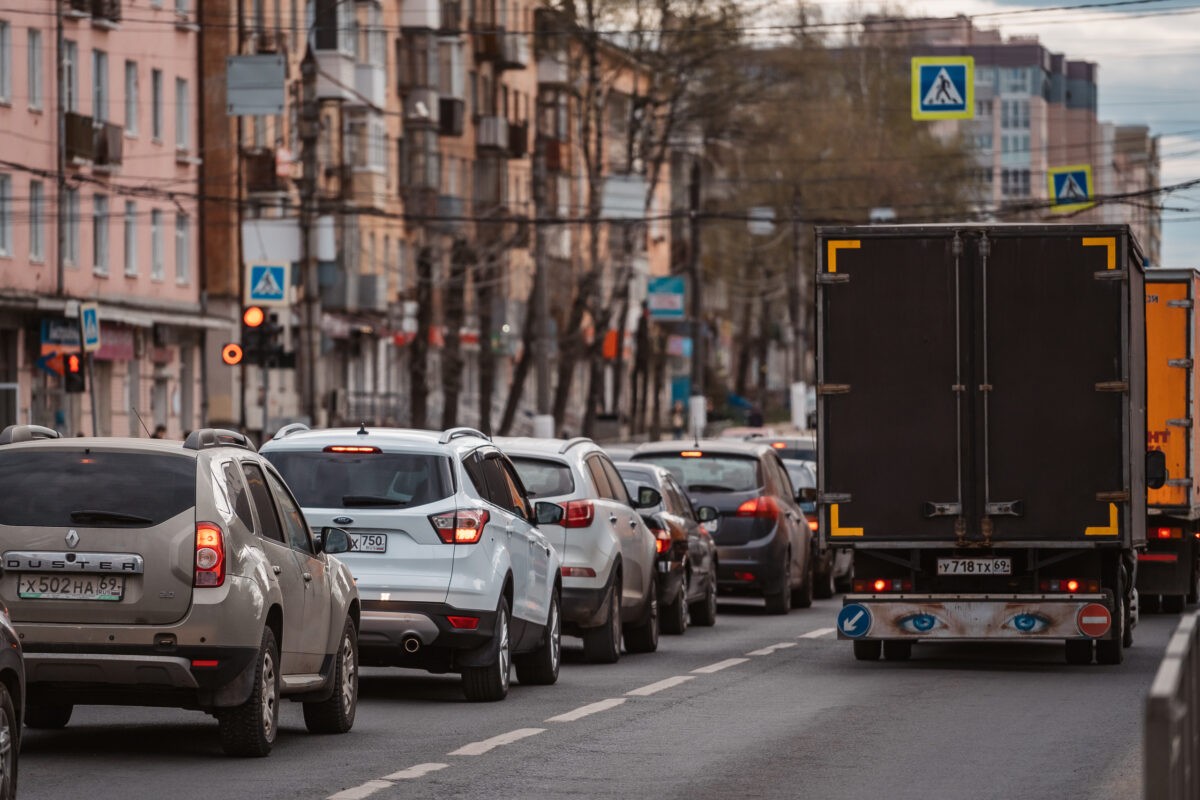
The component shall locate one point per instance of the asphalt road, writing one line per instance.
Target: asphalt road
(757, 707)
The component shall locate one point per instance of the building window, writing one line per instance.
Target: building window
(100, 86)
(182, 252)
(157, 271)
(37, 224)
(131, 267)
(71, 238)
(70, 59)
(131, 98)
(5, 62)
(6, 234)
(35, 69)
(100, 234)
(156, 104)
(182, 115)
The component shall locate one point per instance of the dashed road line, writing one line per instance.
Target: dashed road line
(359, 792)
(588, 710)
(419, 771)
(659, 686)
(766, 651)
(818, 633)
(487, 745)
(720, 665)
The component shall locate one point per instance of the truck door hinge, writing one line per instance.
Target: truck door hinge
(1183, 363)
(935, 509)
(1118, 496)
(1112, 386)
(986, 526)
(985, 246)
(833, 277)
(1112, 275)
(833, 388)
(833, 497)
(1179, 304)
(1006, 508)
(1185, 422)
(1179, 481)
(956, 246)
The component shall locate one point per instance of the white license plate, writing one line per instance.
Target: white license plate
(71, 587)
(974, 566)
(368, 542)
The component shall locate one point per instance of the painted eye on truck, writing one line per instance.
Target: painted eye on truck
(919, 623)
(1027, 622)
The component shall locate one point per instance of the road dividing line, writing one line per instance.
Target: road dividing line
(655, 688)
(766, 651)
(419, 771)
(720, 665)
(588, 710)
(487, 745)
(818, 633)
(359, 792)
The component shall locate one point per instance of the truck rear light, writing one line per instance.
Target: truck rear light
(1168, 533)
(1159, 558)
(577, 572)
(463, 623)
(812, 525)
(662, 540)
(210, 556)
(578, 513)
(744, 576)
(883, 585)
(1069, 585)
(464, 526)
(760, 507)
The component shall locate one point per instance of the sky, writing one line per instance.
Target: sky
(1148, 54)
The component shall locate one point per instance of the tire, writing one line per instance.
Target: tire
(704, 613)
(897, 650)
(336, 714)
(846, 583)
(823, 584)
(803, 597)
(602, 645)
(1112, 651)
(10, 740)
(48, 717)
(676, 615)
(1150, 603)
(249, 730)
(643, 637)
(489, 684)
(781, 602)
(1172, 603)
(540, 668)
(1079, 651)
(867, 649)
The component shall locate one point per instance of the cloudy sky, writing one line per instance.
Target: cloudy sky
(1148, 52)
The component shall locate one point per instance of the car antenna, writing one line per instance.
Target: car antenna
(143, 424)
(362, 428)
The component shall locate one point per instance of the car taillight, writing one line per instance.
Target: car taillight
(1069, 585)
(762, 507)
(210, 556)
(1168, 533)
(662, 540)
(464, 526)
(812, 525)
(463, 623)
(578, 513)
(883, 585)
(577, 572)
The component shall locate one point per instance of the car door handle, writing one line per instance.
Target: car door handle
(308, 576)
(633, 522)
(276, 570)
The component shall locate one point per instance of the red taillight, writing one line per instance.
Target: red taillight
(577, 572)
(464, 526)
(205, 663)
(812, 525)
(345, 448)
(1168, 533)
(1069, 585)
(762, 507)
(883, 585)
(464, 623)
(744, 576)
(662, 540)
(578, 513)
(210, 556)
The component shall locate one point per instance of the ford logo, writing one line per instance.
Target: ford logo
(342, 520)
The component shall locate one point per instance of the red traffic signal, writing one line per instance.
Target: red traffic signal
(232, 354)
(73, 379)
(253, 316)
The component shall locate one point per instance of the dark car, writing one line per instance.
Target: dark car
(764, 545)
(12, 705)
(687, 555)
(833, 567)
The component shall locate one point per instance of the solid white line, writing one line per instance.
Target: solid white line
(479, 748)
(419, 771)
(720, 665)
(766, 651)
(588, 710)
(359, 792)
(654, 688)
(818, 633)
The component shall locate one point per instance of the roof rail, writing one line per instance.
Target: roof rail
(27, 433)
(289, 429)
(453, 433)
(217, 437)
(569, 443)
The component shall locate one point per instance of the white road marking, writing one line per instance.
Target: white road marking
(487, 745)
(818, 633)
(359, 792)
(588, 710)
(419, 771)
(720, 665)
(654, 688)
(766, 651)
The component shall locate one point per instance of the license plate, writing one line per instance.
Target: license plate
(974, 566)
(368, 542)
(71, 587)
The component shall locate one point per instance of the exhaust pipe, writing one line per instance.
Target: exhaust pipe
(412, 643)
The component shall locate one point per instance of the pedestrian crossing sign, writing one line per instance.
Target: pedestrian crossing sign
(266, 284)
(1071, 188)
(943, 87)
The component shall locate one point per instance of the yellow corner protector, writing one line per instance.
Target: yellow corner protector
(836, 529)
(1101, 241)
(1113, 527)
(834, 246)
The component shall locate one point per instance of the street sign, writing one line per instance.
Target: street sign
(89, 322)
(1094, 620)
(943, 87)
(52, 363)
(664, 297)
(854, 620)
(266, 284)
(255, 85)
(1070, 188)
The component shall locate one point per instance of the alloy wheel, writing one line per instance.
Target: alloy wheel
(349, 673)
(269, 704)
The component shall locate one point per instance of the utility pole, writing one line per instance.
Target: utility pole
(541, 306)
(311, 337)
(694, 276)
(800, 300)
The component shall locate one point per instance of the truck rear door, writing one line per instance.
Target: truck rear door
(1170, 351)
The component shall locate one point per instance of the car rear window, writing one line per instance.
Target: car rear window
(321, 479)
(710, 472)
(544, 478)
(94, 488)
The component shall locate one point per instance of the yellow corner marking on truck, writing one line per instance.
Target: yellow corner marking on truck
(834, 528)
(1112, 529)
(844, 244)
(1103, 241)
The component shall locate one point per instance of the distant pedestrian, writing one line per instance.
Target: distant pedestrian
(677, 419)
(160, 432)
(755, 418)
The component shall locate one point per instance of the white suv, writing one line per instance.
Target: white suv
(608, 553)
(453, 571)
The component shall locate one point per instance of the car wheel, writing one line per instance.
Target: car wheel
(704, 613)
(48, 717)
(336, 714)
(489, 683)
(846, 582)
(10, 738)
(250, 729)
(675, 614)
(803, 597)
(868, 649)
(780, 602)
(1079, 651)
(602, 645)
(540, 667)
(643, 637)
(823, 586)
(897, 650)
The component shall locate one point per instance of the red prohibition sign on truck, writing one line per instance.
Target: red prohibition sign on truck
(1094, 620)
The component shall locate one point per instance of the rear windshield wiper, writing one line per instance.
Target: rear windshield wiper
(86, 516)
(371, 500)
(708, 487)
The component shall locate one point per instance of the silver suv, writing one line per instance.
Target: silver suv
(454, 571)
(148, 572)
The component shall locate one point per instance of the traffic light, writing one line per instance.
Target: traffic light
(73, 378)
(253, 334)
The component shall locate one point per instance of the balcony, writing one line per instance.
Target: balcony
(491, 133)
(372, 293)
(368, 188)
(110, 145)
(450, 211)
(514, 51)
(335, 75)
(452, 114)
(558, 155)
(422, 108)
(488, 43)
(558, 241)
(370, 85)
(452, 16)
(552, 70)
(518, 139)
(78, 9)
(106, 13)
(80, 136)
(262, 177)
(421, 14)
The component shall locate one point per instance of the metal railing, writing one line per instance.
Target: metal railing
(1171, 754)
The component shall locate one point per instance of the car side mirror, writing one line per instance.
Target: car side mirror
(1156, 469)
(333, 541)
(807, 494)
(707, 513)
(647, 497)
(548, 513)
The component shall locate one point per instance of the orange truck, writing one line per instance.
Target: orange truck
(1168, 568)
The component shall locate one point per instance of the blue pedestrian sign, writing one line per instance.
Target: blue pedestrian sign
(1070, 188)
(89, 323)
(854, 620)
(943, 87)
(664, 297)
(266, 284)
